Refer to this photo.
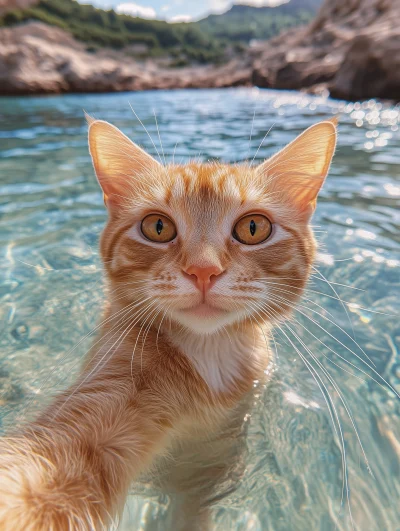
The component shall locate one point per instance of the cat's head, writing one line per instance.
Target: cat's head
(209, 245)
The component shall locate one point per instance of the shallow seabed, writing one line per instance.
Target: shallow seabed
(51, 215)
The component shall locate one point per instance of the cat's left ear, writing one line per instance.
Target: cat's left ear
(299, 170)
(118, 162)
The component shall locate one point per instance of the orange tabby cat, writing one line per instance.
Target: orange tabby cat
(186, 251)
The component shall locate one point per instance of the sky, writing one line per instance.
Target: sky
(174, 10)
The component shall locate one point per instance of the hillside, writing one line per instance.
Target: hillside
(244, 22)
(211, 40)
(99, 28)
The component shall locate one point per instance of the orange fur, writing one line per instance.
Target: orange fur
(161, 374)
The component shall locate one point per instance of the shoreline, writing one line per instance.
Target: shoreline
(384, 101)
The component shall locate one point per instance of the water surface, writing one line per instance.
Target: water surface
(51, 215)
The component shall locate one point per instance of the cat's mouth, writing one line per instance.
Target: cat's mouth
(204, 317)
(203, 310)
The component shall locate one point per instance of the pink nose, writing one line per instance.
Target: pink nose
(203, 277)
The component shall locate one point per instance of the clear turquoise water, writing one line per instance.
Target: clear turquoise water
(51, 215)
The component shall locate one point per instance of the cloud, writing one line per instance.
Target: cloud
(219, 6)
(165, 8)
(262, 3)
(180, 18)
(136, 10)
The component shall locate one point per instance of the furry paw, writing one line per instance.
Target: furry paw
(41, 492)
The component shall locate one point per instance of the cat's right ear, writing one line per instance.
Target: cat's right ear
(117, 161)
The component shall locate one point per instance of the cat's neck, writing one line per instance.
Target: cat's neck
(226, 360)
(222, 359)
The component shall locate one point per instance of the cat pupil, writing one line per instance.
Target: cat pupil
(252, 227)
(159, 227)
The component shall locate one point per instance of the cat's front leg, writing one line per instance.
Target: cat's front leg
(71, 469)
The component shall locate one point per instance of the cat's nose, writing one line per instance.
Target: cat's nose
(203, 277)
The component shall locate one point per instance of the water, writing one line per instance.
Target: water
(51, 215)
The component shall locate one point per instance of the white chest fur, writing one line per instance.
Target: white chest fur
(219, 358)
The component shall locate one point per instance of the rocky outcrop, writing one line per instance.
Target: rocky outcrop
(37, 58)
(7, 5)
(352, 48)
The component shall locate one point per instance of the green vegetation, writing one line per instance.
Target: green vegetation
(99, 28)
(203, 42)
(242, 23)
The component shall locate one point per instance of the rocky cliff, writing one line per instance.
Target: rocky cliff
(352, 48)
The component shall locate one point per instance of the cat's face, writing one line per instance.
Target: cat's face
(209, 245)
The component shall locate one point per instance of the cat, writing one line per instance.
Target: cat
(196, 257)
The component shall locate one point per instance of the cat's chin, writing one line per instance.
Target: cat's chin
(204, 318)
(204, 310)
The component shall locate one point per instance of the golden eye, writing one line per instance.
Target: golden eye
(158, 228)
(252, 229)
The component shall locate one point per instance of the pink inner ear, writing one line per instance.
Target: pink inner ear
(117, 161)
(299, 169)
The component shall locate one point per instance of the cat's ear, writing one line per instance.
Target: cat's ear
(117, 161)
(299, 170)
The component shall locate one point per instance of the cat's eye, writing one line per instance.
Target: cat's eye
(252, 229)
(158, 228)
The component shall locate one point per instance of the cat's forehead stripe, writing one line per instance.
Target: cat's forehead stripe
(207, 183)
